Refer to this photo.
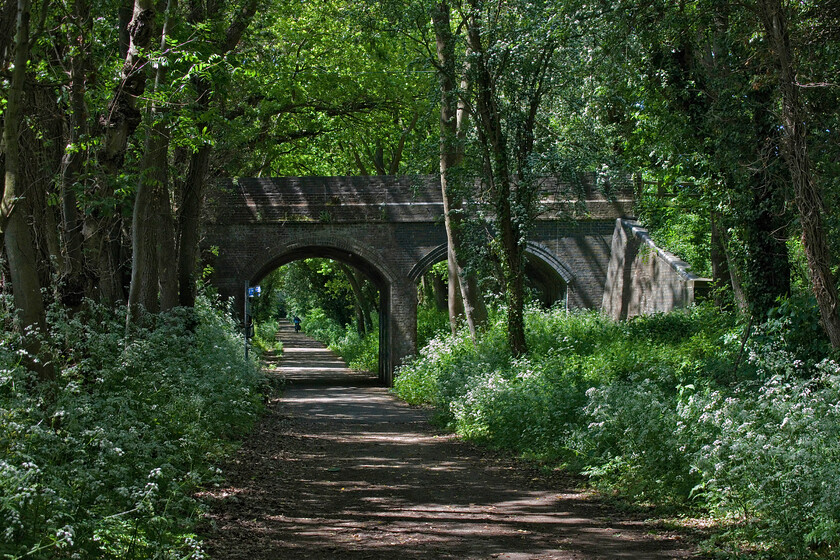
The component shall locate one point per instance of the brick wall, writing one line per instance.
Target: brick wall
(389, 228)
(642, 278)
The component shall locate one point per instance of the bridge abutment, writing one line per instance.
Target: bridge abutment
(403, 328)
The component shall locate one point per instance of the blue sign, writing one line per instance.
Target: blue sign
(253, 291)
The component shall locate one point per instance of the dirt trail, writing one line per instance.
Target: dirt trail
(339, 468)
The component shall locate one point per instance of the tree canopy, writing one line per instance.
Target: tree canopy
(117, 114)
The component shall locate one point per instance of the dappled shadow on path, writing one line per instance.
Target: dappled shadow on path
(307, 362)
(338, 468)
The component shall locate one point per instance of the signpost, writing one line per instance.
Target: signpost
(247, 323)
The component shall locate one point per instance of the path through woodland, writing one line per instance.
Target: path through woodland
(339, 468)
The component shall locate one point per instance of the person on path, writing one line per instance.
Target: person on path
(297, 323)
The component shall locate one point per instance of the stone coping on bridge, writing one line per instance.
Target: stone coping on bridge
(679, 266)
(383, 199)
(642, 278)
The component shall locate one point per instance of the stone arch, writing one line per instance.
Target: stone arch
(542, 266)
(392, 347)
(544, 254)
(332, 248)
(423, 265)
(546, 274)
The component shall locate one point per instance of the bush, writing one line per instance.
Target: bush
(265, 336)
(790, 340)
(771, 454)
(359, 352)
(632, 442)
(654, 408)
(103, 464)
(430, 323)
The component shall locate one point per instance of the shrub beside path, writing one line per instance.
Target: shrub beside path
(338, 468)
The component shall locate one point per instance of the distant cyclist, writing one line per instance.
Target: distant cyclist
(297, 323)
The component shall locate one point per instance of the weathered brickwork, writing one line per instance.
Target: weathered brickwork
(643, 279)
(391, 228)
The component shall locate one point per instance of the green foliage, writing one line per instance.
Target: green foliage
(322, 89)
(104, 463)
(321, 292)
(653, 408)
(265, 336)
(360, 352)
(771, 454)
(430, 322)
(441, 370)
(632, 443)
(793, 327)
(681, 225)
(309, 284)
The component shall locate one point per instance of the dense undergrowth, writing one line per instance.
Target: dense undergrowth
(265, 337)
(359, 351)
(103, 464)
(667, 409)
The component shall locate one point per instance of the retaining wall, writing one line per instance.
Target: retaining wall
(643, 279)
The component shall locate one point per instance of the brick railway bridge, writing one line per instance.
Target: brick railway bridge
(391, 229)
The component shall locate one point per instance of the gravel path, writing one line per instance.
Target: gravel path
(339, 468)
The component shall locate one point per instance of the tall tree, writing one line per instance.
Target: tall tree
(705, 114)
(499, 78)
(192, 188)
(17, 238)
(735, 107)
(513, 55)
(464, 293)
(805, 185)
(75, 153)
(117, 123)
(146, 235)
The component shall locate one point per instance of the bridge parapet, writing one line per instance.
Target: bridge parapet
(643, 278)
(327, 200)
(390, 199)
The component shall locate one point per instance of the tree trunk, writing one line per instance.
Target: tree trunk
(500, 182)
(734, 271)
(40, 157)
(123, 116)
(767, 268)
(514, 271)
(806, 191)
(143, 291)
(117, 124)
(73, 160)
(189, 224)
(451, 156)
(439, 291)
(362, 304)
(512, 254)
(189, 215)
(108, 246)
(17, 238)
(165, 247)
(720, 268)
(150, 272)
(8, 18)
(455, 300)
